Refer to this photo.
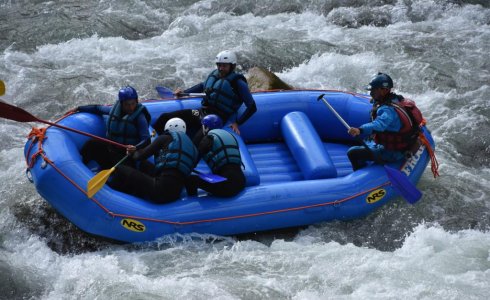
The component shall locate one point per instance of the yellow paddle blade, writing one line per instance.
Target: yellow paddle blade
(98, 181)
(2, 88)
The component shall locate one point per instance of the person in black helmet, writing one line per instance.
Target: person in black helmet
(226, 91)
(219, 148)
(391, 127)
(127, 124)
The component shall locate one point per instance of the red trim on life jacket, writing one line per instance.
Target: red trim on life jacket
(400, 140)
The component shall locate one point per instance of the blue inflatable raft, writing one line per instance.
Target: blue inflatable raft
(295, 162)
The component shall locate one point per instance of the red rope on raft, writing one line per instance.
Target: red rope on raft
(434, 164)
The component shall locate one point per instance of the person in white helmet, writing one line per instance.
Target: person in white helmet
(225, 91)
(175, 157)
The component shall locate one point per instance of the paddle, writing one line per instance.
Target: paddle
(15, 113)
(164, 92)
(401, 182)
(99, 180)
(2, 88)
(211, 178)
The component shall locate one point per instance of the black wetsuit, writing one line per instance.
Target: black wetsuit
(234, 184)
(162, 188)
(107, 155)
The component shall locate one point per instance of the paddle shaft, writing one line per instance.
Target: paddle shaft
(345, 124)
(121, 161)
(193, 94)
(84, 133)
(15, 113)
(167, 93)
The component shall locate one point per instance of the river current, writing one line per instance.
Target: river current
(56, 55)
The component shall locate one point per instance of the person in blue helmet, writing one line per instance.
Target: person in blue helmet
(392, 128)
(220, 150)
(175, 157)
(225, 91)
(127, 124)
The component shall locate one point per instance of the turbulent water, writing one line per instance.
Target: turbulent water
(55, 55)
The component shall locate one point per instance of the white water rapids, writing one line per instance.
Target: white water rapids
(55, 55)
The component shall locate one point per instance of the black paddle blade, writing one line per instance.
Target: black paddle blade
(11, 112)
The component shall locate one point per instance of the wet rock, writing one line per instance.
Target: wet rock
(260, 79)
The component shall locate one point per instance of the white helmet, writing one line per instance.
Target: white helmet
(226, 57)
(175, 125)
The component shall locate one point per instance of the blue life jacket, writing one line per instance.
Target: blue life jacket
(225, 150)
(124, 129)
(180, 154)
(221, 93)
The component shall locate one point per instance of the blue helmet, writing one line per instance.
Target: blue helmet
(127, 93)
(212, 121)
(380, 80)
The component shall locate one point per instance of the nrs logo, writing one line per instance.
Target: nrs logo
(133, 225)
(375, 196)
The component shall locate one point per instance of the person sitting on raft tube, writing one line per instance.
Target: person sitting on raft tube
(225, 91)
(392, 128)
(175, 157)
(127, 124)
(219, 148)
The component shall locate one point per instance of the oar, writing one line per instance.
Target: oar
(15, 113)
(211, 178)
(2, 88)
(99, 180)
(401, 182)
(164, 92)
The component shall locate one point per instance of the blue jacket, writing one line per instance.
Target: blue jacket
(387, 120)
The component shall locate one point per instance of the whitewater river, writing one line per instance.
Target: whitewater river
(55, 55)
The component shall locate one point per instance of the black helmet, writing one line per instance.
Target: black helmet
(380, 80)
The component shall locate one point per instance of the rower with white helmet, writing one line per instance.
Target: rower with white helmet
(175, 157)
